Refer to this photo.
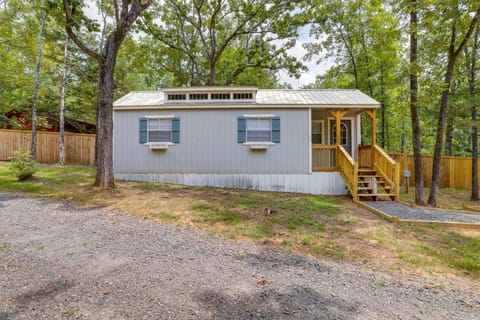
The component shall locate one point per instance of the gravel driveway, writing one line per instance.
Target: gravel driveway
(419, 213)
(60, 261)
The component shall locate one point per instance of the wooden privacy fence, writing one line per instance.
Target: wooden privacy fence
(79, 148)
(455, 172)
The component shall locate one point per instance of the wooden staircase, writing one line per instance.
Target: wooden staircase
(376, 176)
(373, 186)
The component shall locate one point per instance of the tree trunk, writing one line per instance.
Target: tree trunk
(62, 103)
(471, 67)
(474, 196)
(442, 115)
(106, 68)
(211, 77)
(105, 178)
(417, 146)
(437, 153)
(449, 137)
(33, 148)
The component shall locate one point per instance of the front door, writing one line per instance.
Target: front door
(345, 134)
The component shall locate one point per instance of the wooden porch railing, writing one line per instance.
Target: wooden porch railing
(348, 169)
(388, 168)
(383, 163)
(365, 156)
(323, 157)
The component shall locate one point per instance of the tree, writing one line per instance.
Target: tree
(453, 52)
(125, 14)
(414, 113)
(198, 36)
(63, 87)
(42, 19)
(471, 64)
(364, 39)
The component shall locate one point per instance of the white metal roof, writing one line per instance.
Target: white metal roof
(349, 98)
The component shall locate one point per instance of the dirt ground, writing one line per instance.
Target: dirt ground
(60, 261)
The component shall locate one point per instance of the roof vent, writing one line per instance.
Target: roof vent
(210, 95)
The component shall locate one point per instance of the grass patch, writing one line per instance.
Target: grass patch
(5, 246)
(457, 251)
(295, 222)
(260, 231)
(213, 215)
(164, 216)
(52, 181)
(451, 199)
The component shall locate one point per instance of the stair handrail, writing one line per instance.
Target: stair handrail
(348, 169)
(388, 168)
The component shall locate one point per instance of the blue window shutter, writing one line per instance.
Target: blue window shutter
(143, 130)
(241, 130)
(276, 129)
(176, 130)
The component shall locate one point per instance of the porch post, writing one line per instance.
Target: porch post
(372, 114)
(337, 114)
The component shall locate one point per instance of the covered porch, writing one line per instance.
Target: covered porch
(368, 171)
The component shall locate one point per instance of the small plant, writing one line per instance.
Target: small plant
(21, 166)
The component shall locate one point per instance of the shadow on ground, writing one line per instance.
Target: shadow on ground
(267, 303)
(35, 296)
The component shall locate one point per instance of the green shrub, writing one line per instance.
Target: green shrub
(21, 166)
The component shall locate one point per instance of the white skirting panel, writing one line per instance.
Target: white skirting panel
(326, 183)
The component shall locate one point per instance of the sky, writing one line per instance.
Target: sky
(309, 76)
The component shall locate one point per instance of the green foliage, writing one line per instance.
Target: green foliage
(18, 47)
(21, 166)
(225, 42)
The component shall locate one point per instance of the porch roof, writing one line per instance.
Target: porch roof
(265, 98)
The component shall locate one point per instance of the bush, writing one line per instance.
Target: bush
(21, 166)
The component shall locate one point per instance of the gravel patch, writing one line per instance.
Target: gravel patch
(403, 211)
(60, 261)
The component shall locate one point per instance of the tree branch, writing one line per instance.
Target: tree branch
(467, 36)
(71, 33)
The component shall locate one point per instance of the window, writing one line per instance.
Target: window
(159, 130)
(317, 130)
(177, 97)
(198, 96)
(259, 130)
(243, 96)
(220, 96)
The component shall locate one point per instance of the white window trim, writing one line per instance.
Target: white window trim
(258, 115)
(259, 145)
(160, 117)
(352, 137)
(159, 145)
(323, 130)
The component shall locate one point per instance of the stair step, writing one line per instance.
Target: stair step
(372, 188)
(376, 195)
(369, 176)
(367, 170)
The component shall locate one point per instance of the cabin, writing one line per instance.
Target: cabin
(306, 141)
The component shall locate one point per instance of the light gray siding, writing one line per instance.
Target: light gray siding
(208, 144)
